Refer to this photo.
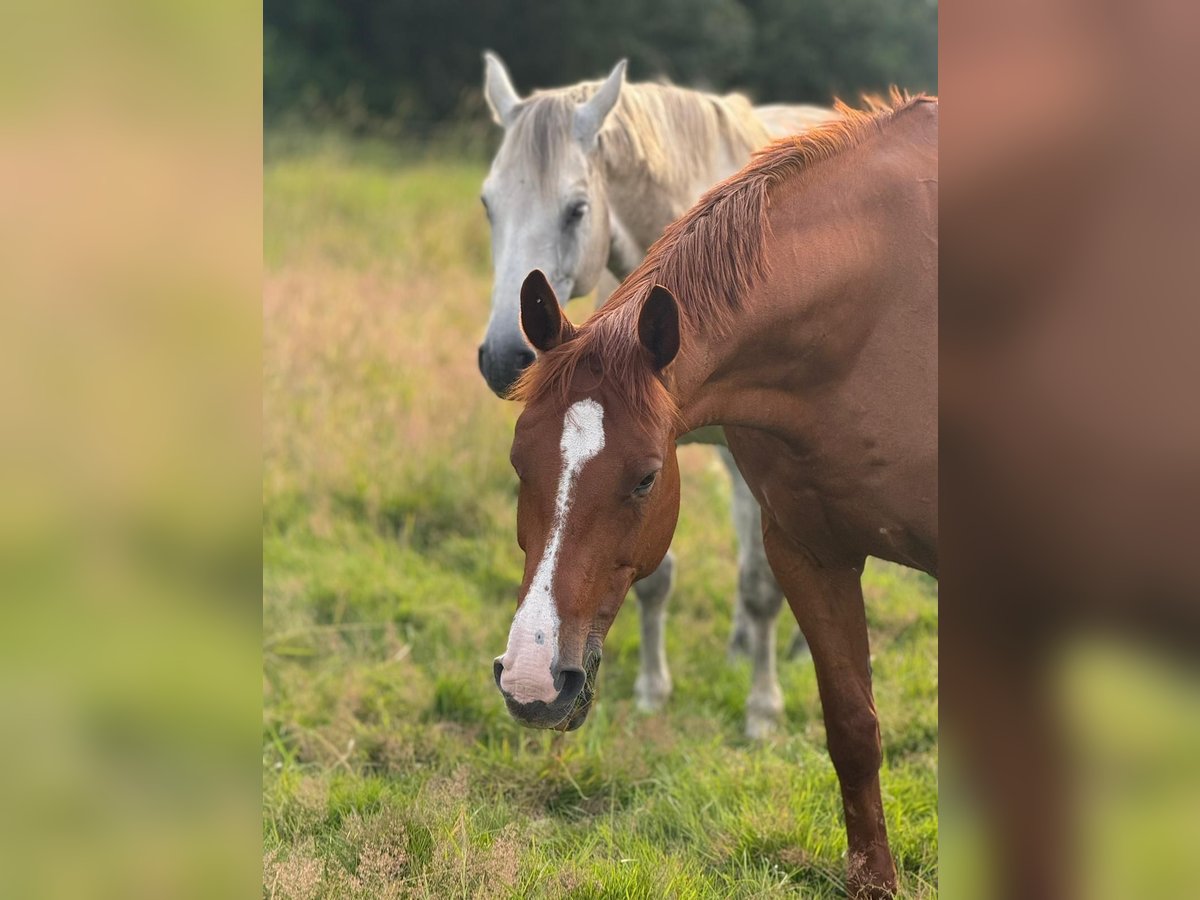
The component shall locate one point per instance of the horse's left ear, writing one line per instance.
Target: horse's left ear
(542, 318)
(658, 327)
(591, 115)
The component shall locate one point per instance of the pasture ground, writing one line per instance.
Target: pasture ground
(390, 767)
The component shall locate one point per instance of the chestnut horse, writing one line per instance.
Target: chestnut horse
(795, 305)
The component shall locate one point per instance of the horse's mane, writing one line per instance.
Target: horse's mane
(709, 259)
(656, 131)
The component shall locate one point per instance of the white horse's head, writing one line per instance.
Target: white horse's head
(546, 202)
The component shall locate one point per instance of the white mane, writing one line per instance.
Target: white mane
(657, 132)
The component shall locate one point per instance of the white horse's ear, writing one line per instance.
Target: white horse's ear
(590, 116)
(498, 89)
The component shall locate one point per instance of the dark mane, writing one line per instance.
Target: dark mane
(709, 258)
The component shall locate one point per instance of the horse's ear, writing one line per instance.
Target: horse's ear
(658, 327)
(591, 115)
(542, 318)
(498, 89)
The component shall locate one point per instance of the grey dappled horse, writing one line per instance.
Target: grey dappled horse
(585, 180)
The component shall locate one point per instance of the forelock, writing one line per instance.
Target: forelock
(539, 139)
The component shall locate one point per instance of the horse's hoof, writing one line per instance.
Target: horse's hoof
(871, 877)
(760, 727)
(763, 717)
(651, 697)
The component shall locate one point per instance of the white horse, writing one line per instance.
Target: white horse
(585, 180)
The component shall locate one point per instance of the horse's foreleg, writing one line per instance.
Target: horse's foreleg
(756, 609)
(653, 684)
(828, 604)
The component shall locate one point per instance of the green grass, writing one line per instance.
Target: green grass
(390, 767)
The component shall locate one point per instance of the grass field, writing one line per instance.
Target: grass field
(390, 767)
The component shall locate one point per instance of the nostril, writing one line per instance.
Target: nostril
(479, 359)
(497, 671)
(569, 682)
(525, 358)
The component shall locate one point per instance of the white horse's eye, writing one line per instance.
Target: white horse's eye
(576, 211)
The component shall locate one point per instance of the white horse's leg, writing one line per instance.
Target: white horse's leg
(739, 637)
(799, 647)
(759, 599)
(653, 684)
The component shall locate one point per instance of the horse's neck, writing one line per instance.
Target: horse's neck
(642, 205)
(640, 208)
(802, 328)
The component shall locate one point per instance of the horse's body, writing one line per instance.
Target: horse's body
(586, 179)
(806, 325)
(785, 119)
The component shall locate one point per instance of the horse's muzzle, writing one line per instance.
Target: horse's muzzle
(502, 368)
(567, 711)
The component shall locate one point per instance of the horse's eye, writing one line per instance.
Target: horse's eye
(576, 211)
(644, 485)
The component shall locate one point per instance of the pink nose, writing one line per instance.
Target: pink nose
(525, 678)
(544, 709)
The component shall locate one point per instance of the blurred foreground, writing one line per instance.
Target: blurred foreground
(130, 172)
(1070, 443)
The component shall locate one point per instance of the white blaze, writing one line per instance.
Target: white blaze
(533, 639)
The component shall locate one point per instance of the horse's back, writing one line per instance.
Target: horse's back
(782, 120)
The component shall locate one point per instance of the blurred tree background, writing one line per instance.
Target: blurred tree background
(412, 67)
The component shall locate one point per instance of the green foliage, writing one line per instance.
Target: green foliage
(819, 48)
(413, 64)
(390, 569)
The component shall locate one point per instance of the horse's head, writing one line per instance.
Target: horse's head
(598, 501)
(546, 202)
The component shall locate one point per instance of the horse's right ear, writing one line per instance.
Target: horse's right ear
(542, 318)
(498, 89)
